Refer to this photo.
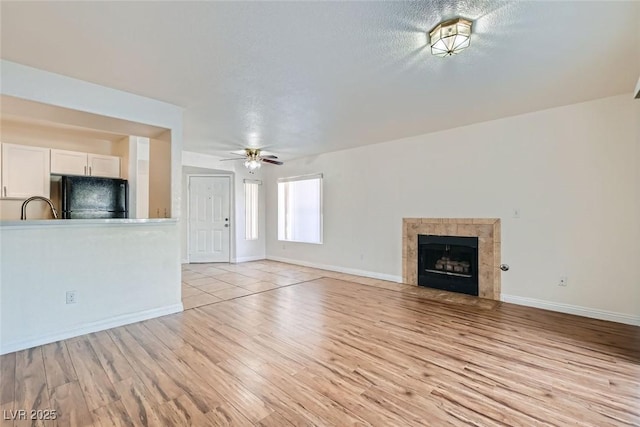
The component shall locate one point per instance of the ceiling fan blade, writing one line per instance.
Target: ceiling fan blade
(268, 156)
(273, 162)
(237, 158)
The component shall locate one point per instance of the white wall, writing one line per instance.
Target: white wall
(159, 179)
(571, 171)
(241, 249)
(121, 272)
(138, 172)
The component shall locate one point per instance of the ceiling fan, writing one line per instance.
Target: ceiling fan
(253, 158)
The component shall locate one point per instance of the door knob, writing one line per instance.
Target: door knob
(226, 225)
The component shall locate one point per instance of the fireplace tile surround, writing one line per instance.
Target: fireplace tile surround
(487, 230)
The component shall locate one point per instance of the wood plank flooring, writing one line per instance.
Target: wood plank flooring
(272, 344)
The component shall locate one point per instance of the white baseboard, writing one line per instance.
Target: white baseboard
(88, 328)
(236, 260)
(338, 269)
(594, 313)
(250, 258)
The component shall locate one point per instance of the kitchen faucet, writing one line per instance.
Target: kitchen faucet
(23, 215)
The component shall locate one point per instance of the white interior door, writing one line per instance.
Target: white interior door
(209, 220)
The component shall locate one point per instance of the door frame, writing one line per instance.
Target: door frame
(232, 212)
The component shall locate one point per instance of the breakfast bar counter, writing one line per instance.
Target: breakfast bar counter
(34, 223)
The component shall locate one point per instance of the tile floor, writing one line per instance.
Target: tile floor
(204, 284)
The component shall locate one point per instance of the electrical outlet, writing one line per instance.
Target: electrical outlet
(563, 281)
(72, 297)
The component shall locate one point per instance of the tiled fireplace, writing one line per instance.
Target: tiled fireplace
(487, 230)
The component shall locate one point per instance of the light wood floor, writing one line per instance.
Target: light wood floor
(324, 348)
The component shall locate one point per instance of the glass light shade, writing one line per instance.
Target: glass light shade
(450, 37)
(252, 164)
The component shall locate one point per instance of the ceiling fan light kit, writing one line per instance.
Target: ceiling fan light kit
(254, 157)
(252, 164)
(450, 37)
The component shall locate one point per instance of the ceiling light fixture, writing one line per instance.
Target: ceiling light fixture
(450, 37)
(252, 164)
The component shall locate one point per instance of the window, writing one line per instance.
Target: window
(251, 209)
(300, 209)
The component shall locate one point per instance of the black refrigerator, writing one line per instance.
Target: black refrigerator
(84, 197)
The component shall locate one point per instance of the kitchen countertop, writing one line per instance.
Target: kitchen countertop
(37, 223)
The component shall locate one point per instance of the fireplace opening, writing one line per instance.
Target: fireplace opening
(449, 263)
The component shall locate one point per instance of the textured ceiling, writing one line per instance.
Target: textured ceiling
(303, 78)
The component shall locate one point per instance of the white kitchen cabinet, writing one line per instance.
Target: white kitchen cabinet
(102, 165)
(64, 162)
(25, 171)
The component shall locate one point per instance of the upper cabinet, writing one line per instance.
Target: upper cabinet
(65, 162)
(101, 165)
(25, 171)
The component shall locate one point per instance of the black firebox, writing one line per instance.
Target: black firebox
(449, 263)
